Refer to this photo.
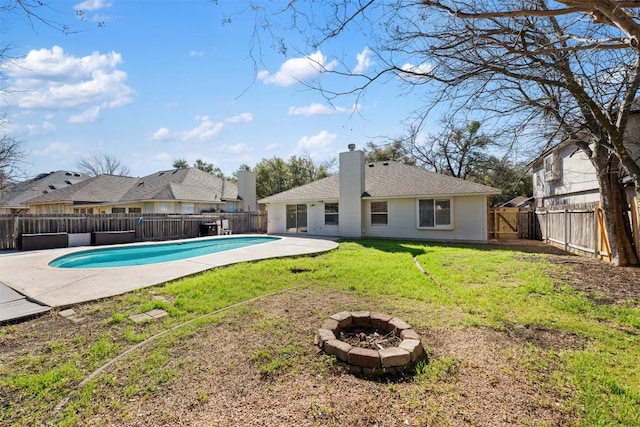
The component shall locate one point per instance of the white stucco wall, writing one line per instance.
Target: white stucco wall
(315, 223)
(352, 186)
(469, 221)
(277, 218)
(277, 221)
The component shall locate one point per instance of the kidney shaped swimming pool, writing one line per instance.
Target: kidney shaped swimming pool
(127, 256)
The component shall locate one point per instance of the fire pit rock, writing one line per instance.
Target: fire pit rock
(370, 343)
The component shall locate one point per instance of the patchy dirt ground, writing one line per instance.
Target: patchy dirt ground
(257, 366)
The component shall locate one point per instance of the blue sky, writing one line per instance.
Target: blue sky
(163, 80)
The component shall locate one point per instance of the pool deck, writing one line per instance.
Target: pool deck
(29, 274)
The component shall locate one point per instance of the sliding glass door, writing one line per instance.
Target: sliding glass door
(296, 218)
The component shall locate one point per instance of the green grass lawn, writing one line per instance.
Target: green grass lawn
(465, 286)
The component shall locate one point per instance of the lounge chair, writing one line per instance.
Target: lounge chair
(225, 227)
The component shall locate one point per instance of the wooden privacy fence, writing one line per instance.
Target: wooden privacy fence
(580, 228)
(513, 223)
(503, 223)
(148, 227)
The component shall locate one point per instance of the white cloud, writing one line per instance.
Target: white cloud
(272, 147)
(316, 109)
(162, 134)
(87, 116)
(42, 129)
(364, 61)
(296, 70)
(54, 80)
(415, 72)
(236, 148)
(240, 118)
(53, 149)
(92, 5)
(196, 53)
(205, 131)
(316, 142)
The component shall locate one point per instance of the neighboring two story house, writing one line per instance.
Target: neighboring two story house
(564, 175)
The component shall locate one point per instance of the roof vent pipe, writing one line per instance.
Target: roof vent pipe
(351, 147)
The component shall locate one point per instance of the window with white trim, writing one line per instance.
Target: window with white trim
(434, 213)
(379, 213)
(331, 214)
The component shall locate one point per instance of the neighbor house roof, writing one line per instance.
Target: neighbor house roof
(15, 195)
(99, 189)
(387, 180)
(189, 184)
(182, 184)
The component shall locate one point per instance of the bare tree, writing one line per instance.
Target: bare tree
(103, 164)
(564, 70)
(457, 151)
(11, 156)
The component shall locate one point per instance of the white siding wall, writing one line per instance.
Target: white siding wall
(469, 221)
(576, 183)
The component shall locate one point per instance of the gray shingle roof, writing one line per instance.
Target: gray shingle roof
(323, 189)
(17, 194)
(188, 184)
(182, 184)
(99, 189)
(387, 180)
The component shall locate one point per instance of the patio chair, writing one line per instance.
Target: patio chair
(225, 227)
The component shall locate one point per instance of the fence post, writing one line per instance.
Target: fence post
(596, 233)
(565, 238)
(635, 224)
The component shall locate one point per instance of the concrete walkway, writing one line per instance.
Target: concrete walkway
(30, 275)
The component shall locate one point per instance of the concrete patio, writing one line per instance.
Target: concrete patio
(29, 273)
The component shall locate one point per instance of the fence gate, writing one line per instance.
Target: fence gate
(503, 223)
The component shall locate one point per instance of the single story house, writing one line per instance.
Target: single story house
(14, 196)
(176, 191)
(383, 199)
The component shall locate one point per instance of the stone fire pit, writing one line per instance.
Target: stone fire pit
(370, 343)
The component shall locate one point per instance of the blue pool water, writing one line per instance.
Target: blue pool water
(127, 256)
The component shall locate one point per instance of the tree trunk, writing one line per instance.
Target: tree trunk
(615, 209)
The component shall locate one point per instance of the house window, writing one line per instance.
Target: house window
(434, 213)
(83, 211)
(188, 208)
(135, 210)
(379, 213)
(552, 168)
(164, 207)
(330, 214)
(118, 210)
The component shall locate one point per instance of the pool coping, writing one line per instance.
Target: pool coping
(30, 274)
